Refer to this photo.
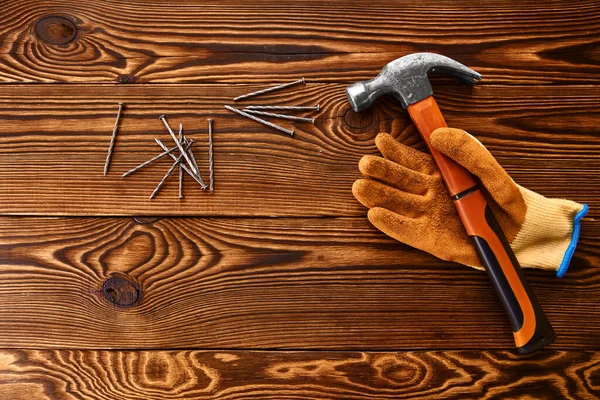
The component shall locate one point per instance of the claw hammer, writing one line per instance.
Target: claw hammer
(406, 79)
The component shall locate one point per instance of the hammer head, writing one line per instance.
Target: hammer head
(406, 79)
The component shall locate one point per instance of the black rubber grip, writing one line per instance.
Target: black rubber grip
(544, 334)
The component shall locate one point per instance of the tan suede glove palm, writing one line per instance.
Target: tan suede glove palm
(409, 202)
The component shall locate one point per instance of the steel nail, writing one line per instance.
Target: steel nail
(210, 155)
(180, 137)
(284, 108)
(112, 139)
(260, 121)
(271, 89)
(183, 152)
(185, 168)
(169, 172)
(282, 116)
(193, 157)
(142, 165)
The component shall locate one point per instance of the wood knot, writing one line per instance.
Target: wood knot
(56, 30)
(121, 290)
(359, 122)
(126, 78)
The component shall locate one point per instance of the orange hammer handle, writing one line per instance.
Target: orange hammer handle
(531, 328)
(427, 117)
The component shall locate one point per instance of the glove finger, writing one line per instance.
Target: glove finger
(410, 231)
(394, 175)
(404, 155)
(471, 154)
(376, 194)
(418, 233)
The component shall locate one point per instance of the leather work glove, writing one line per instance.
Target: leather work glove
(409, 202)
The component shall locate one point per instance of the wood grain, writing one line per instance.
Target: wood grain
(258, 283)
(509, 42)
(70, 374)
(52, 152)
(220, 306)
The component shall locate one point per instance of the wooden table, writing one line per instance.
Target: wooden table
(276, 286)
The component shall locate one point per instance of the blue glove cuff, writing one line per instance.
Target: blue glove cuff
(564, 265)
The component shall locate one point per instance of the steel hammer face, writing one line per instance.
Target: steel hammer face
(406, 79)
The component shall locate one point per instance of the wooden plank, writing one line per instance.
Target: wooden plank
(91, 41)
(53, 142)
(257, 283)
(185, 374)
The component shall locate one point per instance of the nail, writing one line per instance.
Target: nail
(210, 154)
(180, 137)
(193, 157)
(183, 152)
(286, 108)
(169, 172)
(260, 121)
(282, 116)
(271, 89)
(185, 168)
(142, 165)
(112, 139)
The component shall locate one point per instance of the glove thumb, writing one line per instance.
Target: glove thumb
(472, 155)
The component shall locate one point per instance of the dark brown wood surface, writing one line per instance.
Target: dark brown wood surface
(287, 283)
(108, 375)
(509, 42)
(276, 286)
(55, 150)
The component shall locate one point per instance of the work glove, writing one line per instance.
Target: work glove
(408, 201)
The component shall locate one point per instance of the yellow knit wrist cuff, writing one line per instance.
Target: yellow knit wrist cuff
(550, 226)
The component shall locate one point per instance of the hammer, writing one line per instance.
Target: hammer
(406, 79)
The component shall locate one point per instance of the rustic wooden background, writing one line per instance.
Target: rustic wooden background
(276, 286)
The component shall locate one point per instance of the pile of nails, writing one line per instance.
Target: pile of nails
(183, 157)
(252, 111)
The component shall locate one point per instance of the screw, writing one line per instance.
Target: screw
(210, 154)
(282, 116)
(286, 108)
(260, 121)
(271, 89)
(142, 165)
(183, 152)
(185, 168)
(112, 139)
(169, 172)
(180, 137)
